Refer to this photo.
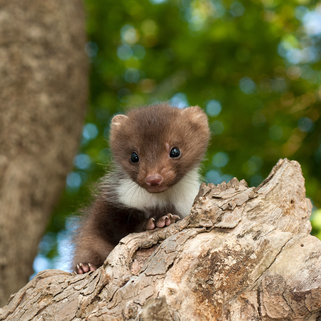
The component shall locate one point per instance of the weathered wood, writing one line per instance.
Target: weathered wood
(242, 254)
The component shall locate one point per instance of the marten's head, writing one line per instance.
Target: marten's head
(157, 145)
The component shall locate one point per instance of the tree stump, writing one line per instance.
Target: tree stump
(242, 254)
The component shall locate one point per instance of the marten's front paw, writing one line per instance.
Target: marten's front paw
(82, 268)
(162, 221)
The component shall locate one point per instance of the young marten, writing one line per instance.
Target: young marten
(157, 152)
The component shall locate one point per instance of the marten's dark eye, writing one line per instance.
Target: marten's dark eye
(134, 158)
(175, 152)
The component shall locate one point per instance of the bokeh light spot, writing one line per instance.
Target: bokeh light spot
(73, 181)
(179, 100)
(157, 1)
(220, 159)
(213, 107)
(247, 85)
(237, 9)
(305, 124)
(129, 34)
(213, 176)
(124, 52)
(82, 161)
(132, 75)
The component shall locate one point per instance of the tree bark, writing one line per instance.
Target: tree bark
(43, 81)
(242, 254)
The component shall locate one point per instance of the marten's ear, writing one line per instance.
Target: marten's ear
(118, 120)
(195, 113)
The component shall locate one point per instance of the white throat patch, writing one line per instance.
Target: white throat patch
(181, 195)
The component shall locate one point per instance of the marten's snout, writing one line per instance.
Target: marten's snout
(154, 180)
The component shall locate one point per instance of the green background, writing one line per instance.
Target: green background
(253, 66)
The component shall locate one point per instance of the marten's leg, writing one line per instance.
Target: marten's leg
(90, 250)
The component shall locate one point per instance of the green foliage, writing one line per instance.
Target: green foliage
(254, 66)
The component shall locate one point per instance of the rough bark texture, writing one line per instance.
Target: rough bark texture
(242, 254)
(43, 81)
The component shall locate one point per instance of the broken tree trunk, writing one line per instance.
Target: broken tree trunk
(43, 93)
(242, 254)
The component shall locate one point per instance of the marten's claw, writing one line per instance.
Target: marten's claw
(167, 220)
(172, 218)
(161, 222)
(150, 224)
(82, 268)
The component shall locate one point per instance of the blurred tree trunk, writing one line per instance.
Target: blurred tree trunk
(242, 254)
(43, 81)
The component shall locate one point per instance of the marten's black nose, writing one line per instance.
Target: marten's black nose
(154, 180)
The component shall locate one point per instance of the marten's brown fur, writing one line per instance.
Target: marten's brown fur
(156, 152)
